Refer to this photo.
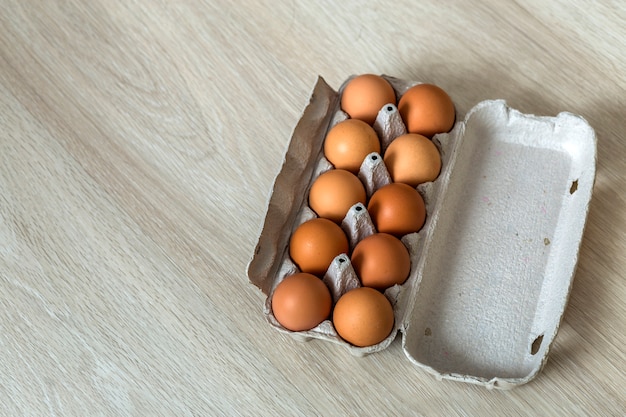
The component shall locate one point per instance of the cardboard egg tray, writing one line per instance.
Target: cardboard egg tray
(492, 268)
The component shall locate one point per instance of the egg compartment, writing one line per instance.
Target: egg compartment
(492, 267)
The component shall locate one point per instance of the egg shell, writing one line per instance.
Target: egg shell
(348, 143)
(301, 302)
(363, 317)
(364, 95)
(398, 209)
(484, 285)
(427, 109)
(380, 261)
(413, 159)
(315, 243)
(334, 192)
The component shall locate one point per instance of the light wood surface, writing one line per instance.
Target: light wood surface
(139, 142)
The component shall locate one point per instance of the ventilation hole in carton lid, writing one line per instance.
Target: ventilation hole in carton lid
(574, 187)
(389, 109)
(534, 348)
(359, 208)
(374, 157)
(342, 260)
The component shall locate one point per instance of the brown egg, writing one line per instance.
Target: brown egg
(412, 159)
(365, 95)
(315, 243)
(397, 209)
(301, 302)
(349, 142)
(381, 261)
(363, 317)
(334, 192)
(426, 109)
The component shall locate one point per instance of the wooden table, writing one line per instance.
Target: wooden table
(138, 145)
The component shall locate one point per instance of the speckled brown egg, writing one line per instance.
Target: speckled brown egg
(364, 96)
(363, 317)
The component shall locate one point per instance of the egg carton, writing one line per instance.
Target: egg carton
(492, 268)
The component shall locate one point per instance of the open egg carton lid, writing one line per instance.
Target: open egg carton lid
(492, 269)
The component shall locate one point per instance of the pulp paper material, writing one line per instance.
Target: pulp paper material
(492, 268)
(501, 260)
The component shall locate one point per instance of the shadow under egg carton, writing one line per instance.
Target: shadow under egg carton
(492, 267)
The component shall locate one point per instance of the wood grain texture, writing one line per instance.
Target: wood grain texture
(138, 144)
